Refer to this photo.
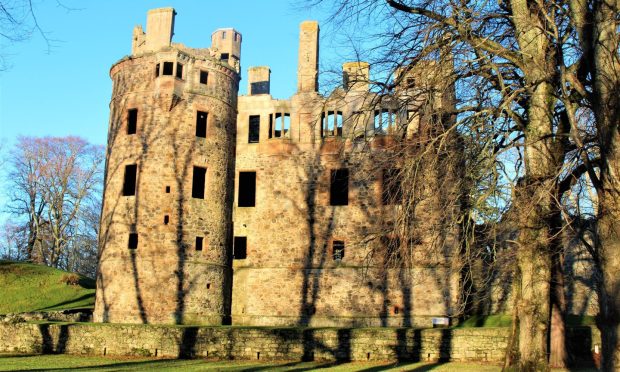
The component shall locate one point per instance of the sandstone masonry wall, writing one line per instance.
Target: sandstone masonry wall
(378, 344)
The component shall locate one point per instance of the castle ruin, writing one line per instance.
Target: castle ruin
(249, 210)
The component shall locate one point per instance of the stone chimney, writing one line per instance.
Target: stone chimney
(258, 80)
(308, 65)
(159, 28)
(355, 76)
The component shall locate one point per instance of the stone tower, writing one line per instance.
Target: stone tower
(167, 212)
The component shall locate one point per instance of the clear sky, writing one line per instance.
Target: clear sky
(67, 91)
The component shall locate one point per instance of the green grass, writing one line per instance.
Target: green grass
(505, 320)
(497, 320)
(70, 362)
(73, 362)
(28, 287)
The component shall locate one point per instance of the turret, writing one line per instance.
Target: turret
(227, 41)
(167, 207)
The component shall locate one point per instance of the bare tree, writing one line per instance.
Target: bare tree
(521, 75)
(55, 188)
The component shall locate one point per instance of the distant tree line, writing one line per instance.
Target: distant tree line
(53, 192)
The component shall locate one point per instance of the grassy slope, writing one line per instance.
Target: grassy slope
(28, 287)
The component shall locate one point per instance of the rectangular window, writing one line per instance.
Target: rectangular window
(338, 250)
(201, 124)
(129, 184)
(270, 125)
(339, 187)
(179, 71)
(198, 182)
(204, 77)
(132, 121)
(133, 241)
(391, 191)
(168, 67)
(254, 129)
(224, 56)
(240, 248)
(166, 219)
(383, 121)
(392, 248)
(157, 70)
(199, 240)
(247, 189)
(331, 125)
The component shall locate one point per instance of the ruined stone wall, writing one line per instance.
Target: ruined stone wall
(362, 344)
(165, 279)
(290, 276)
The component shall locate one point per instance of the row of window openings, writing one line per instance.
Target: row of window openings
(201, 122)
(338, 192)
(331, 124)
(235, 35)
(279, 124)
(240, 244)
(167, 69)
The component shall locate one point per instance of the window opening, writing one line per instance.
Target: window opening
(254, 129)
(157, 70)
(392, 247)
(331, 124)
(199, 240)
(198, 183)
(133, 241)
(201, 124)
(223, 34)
(224, 57)
(338, 250)
(179, 71)
(168, 67)
(132, 121)
(279, 125)
(240, 245)
(391, 189)
(167, 189)
(383, 121)
(204, 77)
(339, 188)
(129, 184)
(247, 189)
(166, 219)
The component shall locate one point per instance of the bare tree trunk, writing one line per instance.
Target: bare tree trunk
(558, 357)
(606, 107)
(535, 266)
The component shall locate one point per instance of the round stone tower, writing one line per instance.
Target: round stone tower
(167, 212)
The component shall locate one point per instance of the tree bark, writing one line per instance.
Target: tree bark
(558, 357)
(534, 261)
(606, 107)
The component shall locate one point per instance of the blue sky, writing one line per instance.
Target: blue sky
(67, 91)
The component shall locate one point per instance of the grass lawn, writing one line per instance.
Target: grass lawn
(28, 287)
(71, 362)
(505, 320)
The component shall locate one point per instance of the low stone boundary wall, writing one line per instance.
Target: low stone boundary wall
(386, 344)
